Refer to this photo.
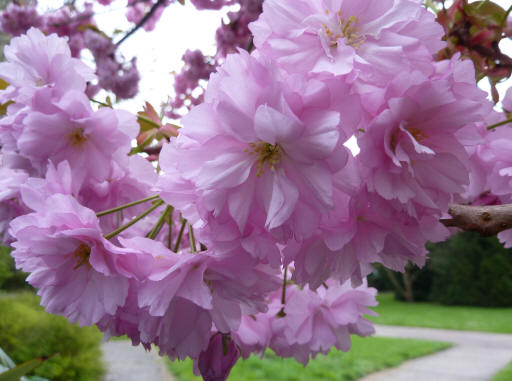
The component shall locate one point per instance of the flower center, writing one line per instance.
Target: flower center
(77, 137)
(82, 254)
(343, 28)
(417, 133)
(268, 154)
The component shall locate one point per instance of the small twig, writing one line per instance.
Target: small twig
(142, 21)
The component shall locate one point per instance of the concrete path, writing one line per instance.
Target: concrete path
(475, 356)
(128, 363)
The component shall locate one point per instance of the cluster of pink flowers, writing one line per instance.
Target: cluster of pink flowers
(113, 73)
(231, 36)
(260, 226)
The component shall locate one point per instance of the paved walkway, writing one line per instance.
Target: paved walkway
(475, 356)
(128, 363)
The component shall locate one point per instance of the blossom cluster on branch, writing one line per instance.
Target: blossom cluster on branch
(114, 73)
(258, 226)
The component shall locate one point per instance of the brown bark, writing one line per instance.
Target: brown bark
(487, 220)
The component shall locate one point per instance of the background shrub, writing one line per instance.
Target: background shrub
(26, 332)
(10, 278)
(471, 270)
(467, 269)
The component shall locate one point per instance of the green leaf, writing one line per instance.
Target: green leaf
(486, 9)
(14, 374)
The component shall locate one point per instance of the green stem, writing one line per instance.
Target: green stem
(130, 204)
(192, 239)
(160, 223)
(134, 221)
(180, 236)
(100, 103)
(492, 126)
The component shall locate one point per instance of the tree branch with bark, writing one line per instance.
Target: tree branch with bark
(487, 220)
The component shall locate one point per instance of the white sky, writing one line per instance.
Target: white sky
(180, 28)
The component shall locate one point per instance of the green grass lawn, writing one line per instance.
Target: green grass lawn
(366, 356)
(433, 315)
(505, 374)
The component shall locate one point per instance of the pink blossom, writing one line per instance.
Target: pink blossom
(71, 23)
(129, 179)
(216, 361)
(10, 182)
(70, 262)
(245, 150)
(239, 286)
(313, 323)
(253, 335)
(372, 38)
(412, 150)
(69, 130)
(197, 67)
(211, 4)
(507, 100)
(356, 234)
(35, 60)
(236, 33)
(126, 319)
(120, 78)
(175, 276)
(17, 19)
(183, 331)
(10, 203)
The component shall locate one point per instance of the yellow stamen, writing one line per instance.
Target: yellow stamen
(348, 30)
(77, 137)
(82, 254)
(417, 133)
(268, 154)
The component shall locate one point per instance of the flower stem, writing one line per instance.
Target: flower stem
(192, 239)
(160, 223)
(100, 103)
(492, 126)
(169, 236)
(135, 220)
(281, 312)
(283, 295)
(180, 236)
(130, 204)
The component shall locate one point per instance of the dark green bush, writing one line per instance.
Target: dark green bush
(10, 278)
(467, 269)
(421, 280)
(471, 270)
(5, 265)
(26, 332)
